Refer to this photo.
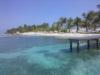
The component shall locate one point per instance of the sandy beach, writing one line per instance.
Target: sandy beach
(62, 35)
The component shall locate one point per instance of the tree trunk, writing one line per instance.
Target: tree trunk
(94, 27)
(77, 28)
(86, 28)
(68, 28)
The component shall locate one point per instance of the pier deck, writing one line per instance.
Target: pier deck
(87, 38)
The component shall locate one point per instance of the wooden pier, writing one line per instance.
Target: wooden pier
(86, 38)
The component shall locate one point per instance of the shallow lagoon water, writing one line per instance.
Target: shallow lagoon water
(20, 55)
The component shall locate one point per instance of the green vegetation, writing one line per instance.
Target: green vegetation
(90, 21)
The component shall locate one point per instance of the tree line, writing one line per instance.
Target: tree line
(90, 20)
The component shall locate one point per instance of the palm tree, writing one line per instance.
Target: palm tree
(77, 22)
(61, 22)
(96, 18)
(96, 21)
(54, 27)
(58, 25)
(69, 23)
(88, 19)
(85, 17)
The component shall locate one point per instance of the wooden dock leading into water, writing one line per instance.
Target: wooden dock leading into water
(87, 38)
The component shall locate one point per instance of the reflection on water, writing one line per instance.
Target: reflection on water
(49, 57)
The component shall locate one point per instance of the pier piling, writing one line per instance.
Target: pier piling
(97, 43)
(78, 44)
(88, 44)
(70, 45)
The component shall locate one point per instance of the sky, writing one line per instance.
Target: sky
(14, 13)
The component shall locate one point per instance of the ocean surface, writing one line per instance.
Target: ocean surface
(37, 55)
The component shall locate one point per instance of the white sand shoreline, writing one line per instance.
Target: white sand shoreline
(63, 35)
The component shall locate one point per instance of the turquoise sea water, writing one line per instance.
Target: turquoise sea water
(20, 55)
